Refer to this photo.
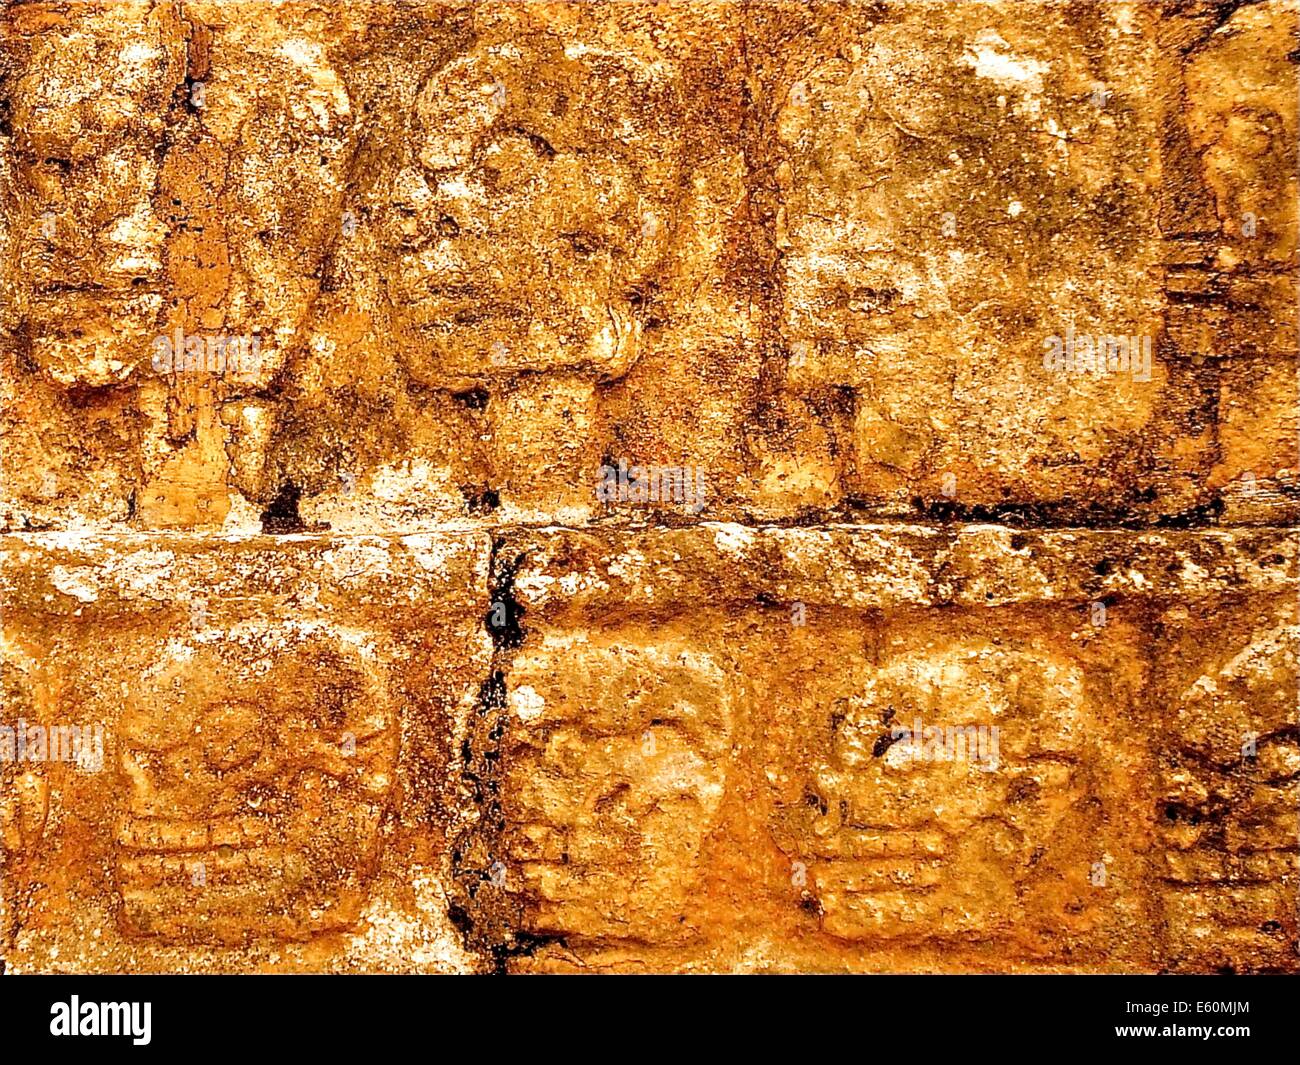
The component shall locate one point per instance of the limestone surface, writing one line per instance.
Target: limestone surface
(700, 486)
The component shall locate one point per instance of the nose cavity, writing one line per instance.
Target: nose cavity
(232, 735)
(411, 191)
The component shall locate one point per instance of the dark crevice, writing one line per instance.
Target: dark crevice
(474, 398)
(520, 945)
(884, 742)
(282, 515)
(488, 910)
(504, 610)
(482, 503)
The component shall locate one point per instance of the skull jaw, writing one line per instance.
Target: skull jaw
(267, 890)
(195, 898)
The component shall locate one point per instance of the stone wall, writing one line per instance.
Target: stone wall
(702, 486)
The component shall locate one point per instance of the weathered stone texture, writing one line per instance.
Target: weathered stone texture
(275, 782)
(508, 479)
(830, 846)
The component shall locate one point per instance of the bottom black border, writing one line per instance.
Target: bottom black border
(804, 1016)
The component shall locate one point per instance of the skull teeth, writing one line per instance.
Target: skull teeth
(168, 836)
(889, 844)
(214, 867)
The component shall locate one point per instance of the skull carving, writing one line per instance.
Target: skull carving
(896, 287)
(939, 790)
(258, 763)
(617, 775)
(536, 207)
(1229, 806)
(88, 114)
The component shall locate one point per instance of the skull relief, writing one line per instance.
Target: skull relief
(941, 788)
(617, 777)
(258, 762)
(530, 219)
(88, 114)
(1230, 799)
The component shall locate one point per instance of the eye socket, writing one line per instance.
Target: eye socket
(335, 705)
(227, 753)
(514, 158)
(584, 243)
(537, 142)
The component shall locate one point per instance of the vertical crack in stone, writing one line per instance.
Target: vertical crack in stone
(487, 908)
